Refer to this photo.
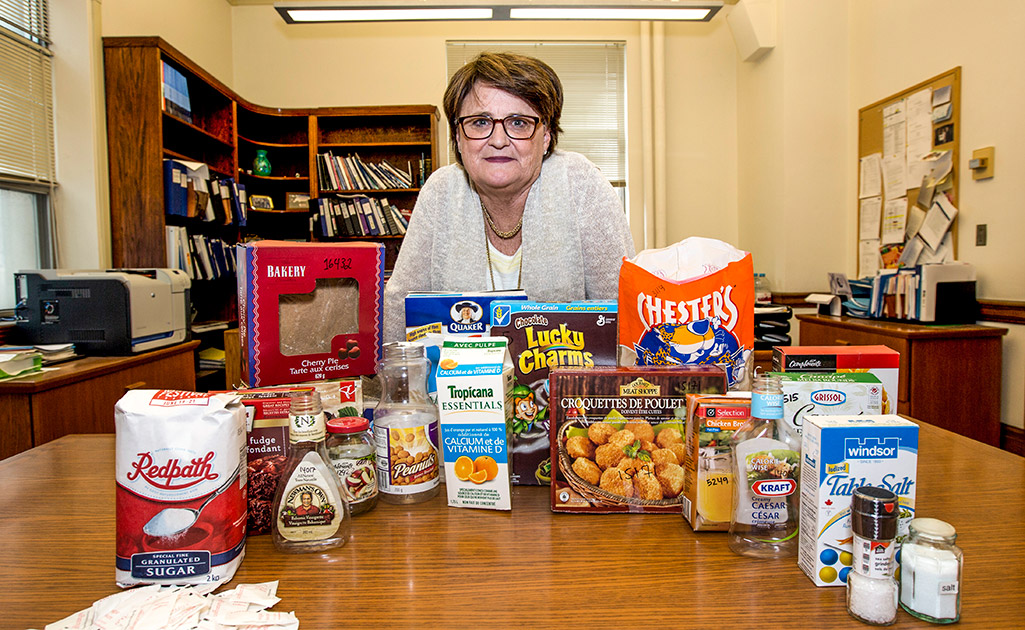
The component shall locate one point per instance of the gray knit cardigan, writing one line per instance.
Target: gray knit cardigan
(575, 236)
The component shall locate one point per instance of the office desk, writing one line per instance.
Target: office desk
(432, 566)
(949, 375)
(79, 396)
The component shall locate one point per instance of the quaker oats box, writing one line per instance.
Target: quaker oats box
(309, 311)
(543, 336)
(839, 455)
(881, 361)
(617, 436)
(707, 498)
(825, 394)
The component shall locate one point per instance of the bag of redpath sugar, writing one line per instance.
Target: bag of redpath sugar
(181, 487)
(690, 303)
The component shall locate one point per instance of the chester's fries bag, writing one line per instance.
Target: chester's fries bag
(687, 304)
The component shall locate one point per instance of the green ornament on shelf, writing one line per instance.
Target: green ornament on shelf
(261, 165)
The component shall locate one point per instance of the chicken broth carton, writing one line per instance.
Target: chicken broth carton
(474, 385)
(542, 336)
(707, 466)
(841, 454)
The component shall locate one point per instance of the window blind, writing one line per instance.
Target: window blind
(594, 87)
(26, 94)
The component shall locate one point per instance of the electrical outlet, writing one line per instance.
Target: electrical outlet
(980, 235)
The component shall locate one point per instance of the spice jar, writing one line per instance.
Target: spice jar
(930, 571)
(871, 587)
(406, 427)
(350, 448)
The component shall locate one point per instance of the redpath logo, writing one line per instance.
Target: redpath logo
(165, 476)
(174, 397)
(774, 487)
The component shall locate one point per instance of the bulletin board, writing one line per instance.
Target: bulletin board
(876, 137)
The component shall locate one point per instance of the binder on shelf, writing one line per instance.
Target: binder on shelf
(942, 293)
(175, 188)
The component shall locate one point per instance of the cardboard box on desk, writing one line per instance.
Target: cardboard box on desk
(543, 336)
(617, 436)
(309, 311)
(881, 361)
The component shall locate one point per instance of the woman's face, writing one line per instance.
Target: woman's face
(499, 165)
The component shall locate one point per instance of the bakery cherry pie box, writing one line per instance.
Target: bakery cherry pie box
(618, 436)
(309, 311)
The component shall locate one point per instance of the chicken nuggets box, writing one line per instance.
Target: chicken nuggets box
(617, 436)
(839, 455)
(881, 361)
(708, 473)
(309, 311)
(543, 336)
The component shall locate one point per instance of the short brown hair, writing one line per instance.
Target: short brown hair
(526, 77)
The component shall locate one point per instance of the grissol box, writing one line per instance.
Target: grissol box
(617, 436)
(543, 336)
(826, 394)
(707, 466)
(880, 361)
(474, 381)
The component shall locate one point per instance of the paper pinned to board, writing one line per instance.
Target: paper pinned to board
(894, 220)
(871, 176)
(937, 222)
(869, 217)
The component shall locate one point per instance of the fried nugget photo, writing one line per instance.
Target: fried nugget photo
(608, 455)
(599, 432)
(671, 478)
(622, 438)
(647, 486)
(641, 430)
(664, 456)
(587, 470)
(579, 446)
(616, 482)
(668, 436)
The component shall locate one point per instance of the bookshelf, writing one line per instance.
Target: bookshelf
(225, 133)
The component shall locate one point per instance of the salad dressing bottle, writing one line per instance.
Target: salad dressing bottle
(310, 511)
(766, 468)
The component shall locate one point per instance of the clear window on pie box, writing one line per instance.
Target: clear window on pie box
(307, 322)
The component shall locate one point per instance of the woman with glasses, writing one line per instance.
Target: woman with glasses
(513, 212)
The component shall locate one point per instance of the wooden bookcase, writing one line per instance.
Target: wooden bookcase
(225, 133)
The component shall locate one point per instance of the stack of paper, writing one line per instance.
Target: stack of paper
(18, 362)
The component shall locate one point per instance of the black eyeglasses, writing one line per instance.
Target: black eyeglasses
(517, 127)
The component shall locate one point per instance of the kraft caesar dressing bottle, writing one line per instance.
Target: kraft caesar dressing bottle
(766, 465)
(310, 511)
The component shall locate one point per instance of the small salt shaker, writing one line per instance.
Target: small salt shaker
(930, 572)
(871, 587)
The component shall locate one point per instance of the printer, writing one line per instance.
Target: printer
(103, 312)
(946, 293)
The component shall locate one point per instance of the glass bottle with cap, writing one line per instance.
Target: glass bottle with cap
(930, 571)
(351, 451)
(871, 587)
(766, 469)
(310, 510)
(406, 427)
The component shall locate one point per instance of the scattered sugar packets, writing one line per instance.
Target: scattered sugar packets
(194, 607)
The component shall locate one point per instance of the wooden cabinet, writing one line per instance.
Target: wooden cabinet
(79, 396)
(949, 375)
(225, 133)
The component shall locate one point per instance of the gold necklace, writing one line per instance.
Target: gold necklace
(494, 228)
(491, 268)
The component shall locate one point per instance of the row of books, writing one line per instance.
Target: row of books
(895, 293)
(358, 215)
(190, 191)
(175, 89)
(352, 173)
(200, 256)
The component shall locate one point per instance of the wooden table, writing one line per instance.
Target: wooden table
(79, 396)
(949, 375)
(430, 566)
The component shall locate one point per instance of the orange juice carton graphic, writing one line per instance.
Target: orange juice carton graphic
(474, 387)
(842, 454)
(708, 475)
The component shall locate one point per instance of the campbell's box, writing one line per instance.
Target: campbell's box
(826, 394)
(309, 311)
(841, 454)
(708, 472)
(474, 384)
(543, 336)
(617, 436)
(880, 361)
